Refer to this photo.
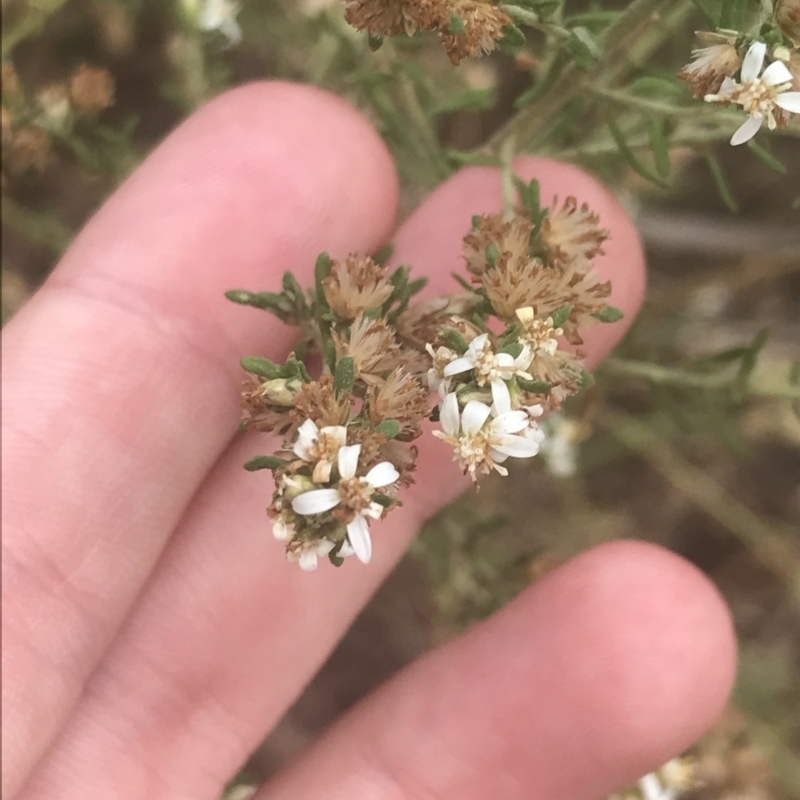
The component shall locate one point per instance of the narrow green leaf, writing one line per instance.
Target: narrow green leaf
(345, 376)
(659, 144)
(561, 315)
(768, 158)
(476, 221)
(609, 314)
(262, 367)
(321, 271)
(416, 285)
(383, 254)
(264, 462)
(492, 254)
(375, 42)
(454, 340)
(390, 428)
(536, 387)
(330, 356)
(721, 182)
(748, 364)
(468, 100)
(266, 301)
(513, 36)
(474, 159)
(630, 156)
(297, 369)
(513, 349)
(587, 379)
(462, 282)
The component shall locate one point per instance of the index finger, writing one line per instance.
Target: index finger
(120, 377)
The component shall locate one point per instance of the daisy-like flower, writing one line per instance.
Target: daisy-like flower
(307, 554)
(540, 334)
(490, 367)
(481, 442)
(320, 447)
(354, 496)
(763, 95)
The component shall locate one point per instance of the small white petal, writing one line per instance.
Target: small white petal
(478, 343)
(374, 510)
(307, 561)
(347, 460)
(535, 411)
(728, 85)
(497, 456)
(501, 397)
(747, 131)
(504, 361)
(474, 416)
(753, 61)
(776, 73)
(382, 474)
(458, 366)
(306, 436)
(280, 530)
(316, 501)
(358, 534)
(449, 416)
(346, 550)
(517, 446)
(789, 101)
(510, 422)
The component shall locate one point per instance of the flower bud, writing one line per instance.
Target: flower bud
(281, 391)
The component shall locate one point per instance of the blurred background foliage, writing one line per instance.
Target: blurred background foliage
(690, 436)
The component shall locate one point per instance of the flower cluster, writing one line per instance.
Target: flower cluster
(491, 356)
(466, 27)
(764, 81)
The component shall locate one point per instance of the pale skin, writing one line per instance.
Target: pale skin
(152, 630)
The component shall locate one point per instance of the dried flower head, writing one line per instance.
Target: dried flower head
(787, 15)
(259, 413)
(30, 148)
(372, 345)
(507, 240)
(391, 17)
(572, 233)
(355, 285)
(318, 401)
(764, 93)
(91, 89)
(711, 64)
(420, 324)
(472, 29)
(403, 398)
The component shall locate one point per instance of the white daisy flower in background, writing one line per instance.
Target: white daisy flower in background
(482, 442)
(353, 493)
(320, 447)
(492, 368)
(307, 554)
(763, 95)
(560, 449)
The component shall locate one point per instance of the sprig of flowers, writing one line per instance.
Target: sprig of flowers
(485, 363)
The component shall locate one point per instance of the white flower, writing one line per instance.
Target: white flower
(559, 448)
(306, 554)
(220, 15)
(760, 94)
(492, 368)
(442, 356)
(481, 443)
(280, 530)
(319, 447)
(652, 789)
(353, 493)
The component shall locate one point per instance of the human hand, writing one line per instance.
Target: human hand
(152, 630)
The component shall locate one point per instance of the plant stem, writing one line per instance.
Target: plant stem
(655, 373)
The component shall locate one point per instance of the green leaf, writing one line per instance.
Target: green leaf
(609, 314)
(476, 221)
(456, 25)
(630, 156)
(474, 159)
(561, 315)
(513, 349)
(468, 100)
(462, 282)
(659, 144)
(513, 36)
(345, 376)
(263, 367)
(733, 14)
(383, 254)
(748, 364)
(454, 340)
(330, 356)
(375, 42)
(536, 387)
(296, 369)
(266, 301)
(721, 182)
(416, 285)
(390, 428)
(584, 48)
(522, 16)
(264, 462)
(770, 160)
(492, 254)
(321, 271)
(587, 379)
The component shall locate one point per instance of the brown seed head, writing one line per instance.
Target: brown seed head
(356, 285)
(391, 17)
(483, 23)
(572, 233)
(372, 346)
(318, 402)
(403, 398)
(511, 238)
(91, 89)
